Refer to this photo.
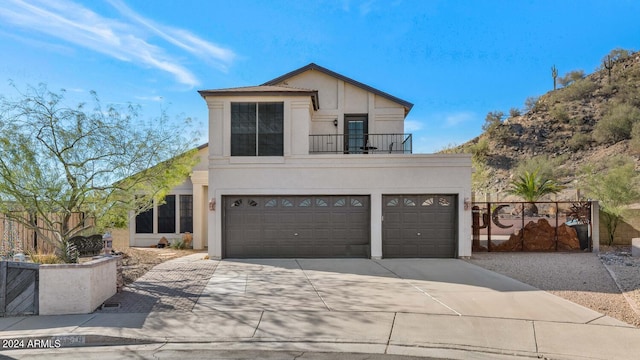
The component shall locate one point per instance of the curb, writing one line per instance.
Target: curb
(631, 302)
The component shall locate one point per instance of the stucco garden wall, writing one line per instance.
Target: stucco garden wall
(76, 288)
(628, 229)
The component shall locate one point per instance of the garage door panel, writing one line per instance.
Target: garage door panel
(296, 226)
(419, 226)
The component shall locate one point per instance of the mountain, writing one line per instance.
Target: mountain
(587, 119)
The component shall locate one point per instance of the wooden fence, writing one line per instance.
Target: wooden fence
(18, 288)
(15, 236)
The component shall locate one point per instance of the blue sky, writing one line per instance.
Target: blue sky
(455, 60)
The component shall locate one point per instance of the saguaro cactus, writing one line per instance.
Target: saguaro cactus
(608, 64)
(554, 75)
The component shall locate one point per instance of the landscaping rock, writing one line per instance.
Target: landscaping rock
(540, 236)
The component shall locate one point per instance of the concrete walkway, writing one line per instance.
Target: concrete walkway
(424, 307)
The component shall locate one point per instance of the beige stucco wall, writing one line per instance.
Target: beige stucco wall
(338, 98)
(373, 175)
(76, 288)
(628, 228)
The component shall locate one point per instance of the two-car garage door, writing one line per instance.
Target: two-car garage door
(296, 226)
(337, 226)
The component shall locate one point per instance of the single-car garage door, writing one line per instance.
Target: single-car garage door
(296, 226)
(418, 226)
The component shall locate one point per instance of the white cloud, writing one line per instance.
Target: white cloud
(181, 38)
(122, 40)
(412, 125)
(455, 119)
(151, 98)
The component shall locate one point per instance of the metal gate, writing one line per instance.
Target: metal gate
(18, 288)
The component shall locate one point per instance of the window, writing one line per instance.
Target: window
(144, 222)
(186, 213)
(257, 129)
(167, 216)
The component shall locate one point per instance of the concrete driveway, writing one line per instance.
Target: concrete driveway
(443, 308)
(417, 286)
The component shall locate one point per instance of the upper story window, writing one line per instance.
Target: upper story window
(257, 129)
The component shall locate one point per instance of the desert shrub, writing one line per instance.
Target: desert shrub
(178, 245)
(545, 166)
(45, 258)
(615, 55)
(559, 113)
(513, 112)
(480, 150)
(571, 77)
(452, 148)
(492, 120)
(576, 120)
(531, 103)
(628, 86)
(616, 124)
(578, 90)
(635, 138)
(579, 141)
(495, 128)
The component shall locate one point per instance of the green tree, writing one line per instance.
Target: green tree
(531, 187)
(102, 162)
(615, 183)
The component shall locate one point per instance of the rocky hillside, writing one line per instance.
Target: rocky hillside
(586, 120)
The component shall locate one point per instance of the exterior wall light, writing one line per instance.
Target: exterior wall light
(467, 203)
(212, 204)
(335, 122)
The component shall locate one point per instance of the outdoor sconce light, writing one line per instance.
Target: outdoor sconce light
(335, 122)
(467, 203)
(212, 204)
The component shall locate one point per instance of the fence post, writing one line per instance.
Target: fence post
(557, 225)
(595, 226)
(489, 227)
(3, 287)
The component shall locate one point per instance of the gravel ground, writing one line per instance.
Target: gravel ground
(588, 279)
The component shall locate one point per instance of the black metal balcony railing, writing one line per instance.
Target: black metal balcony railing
(360, 144)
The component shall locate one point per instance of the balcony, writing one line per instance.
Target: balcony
(360, 144)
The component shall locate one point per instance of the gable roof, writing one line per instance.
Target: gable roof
(263, 90)
(407, 105)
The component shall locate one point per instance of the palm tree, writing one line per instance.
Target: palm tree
(532, 187)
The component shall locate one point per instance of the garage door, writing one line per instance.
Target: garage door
(296, 226)
(419, 226)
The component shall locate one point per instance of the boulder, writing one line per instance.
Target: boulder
(540, 236)
(163, 242)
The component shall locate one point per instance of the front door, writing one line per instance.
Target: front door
(355, 134)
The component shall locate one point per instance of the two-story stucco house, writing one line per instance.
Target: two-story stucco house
(314, 164)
